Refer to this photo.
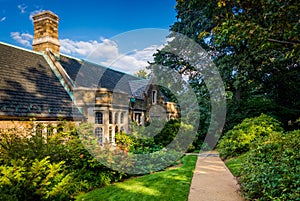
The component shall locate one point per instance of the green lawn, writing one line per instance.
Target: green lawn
(234, 164)
(171, 184)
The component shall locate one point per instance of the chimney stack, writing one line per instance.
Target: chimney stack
(46, 32)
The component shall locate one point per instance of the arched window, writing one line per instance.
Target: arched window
(116, 129)
(98, 118)
(110, 118)
(99, 135)
(110, 135)
(116, 118)
(122, 118)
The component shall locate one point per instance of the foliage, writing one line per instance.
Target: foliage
(124, 142)
(141, 74)
(254, 44)
(35, 180)
(171, 184)
(253, 107)
(235, 164)
(168, 133)
(62, 150)
(158, 135)
(245, 135)
(271, 171)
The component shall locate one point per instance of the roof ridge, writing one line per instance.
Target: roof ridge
(21, 48)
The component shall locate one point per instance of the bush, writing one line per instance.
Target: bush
(64, 148)
(271, 171)
(243, 136)
(35, 180)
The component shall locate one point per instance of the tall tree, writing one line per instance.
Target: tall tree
(256, 47)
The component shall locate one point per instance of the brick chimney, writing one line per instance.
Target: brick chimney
(46, 32)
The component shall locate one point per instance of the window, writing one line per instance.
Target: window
(122, 118)
(60, 128)
(50, 130)
(110, 134)
(116, 129)
(39, 130)
(98, 118)
(99, 135)
(138, 118)
(154, 96)
(110, 118)
(116, 118)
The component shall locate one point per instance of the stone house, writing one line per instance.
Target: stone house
(49, 86)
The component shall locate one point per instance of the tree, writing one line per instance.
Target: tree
(142, 74)
(256, 47)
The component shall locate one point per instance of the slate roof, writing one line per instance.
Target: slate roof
(138, 87)
(91, 75)
(29, 88)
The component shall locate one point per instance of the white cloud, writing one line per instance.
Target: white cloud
(2, 19)
(34, 13)
(133, 61)
(106, 52)
(22, 8)
(93, 49)
(22, 38)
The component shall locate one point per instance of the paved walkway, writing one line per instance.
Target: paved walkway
(212, 181)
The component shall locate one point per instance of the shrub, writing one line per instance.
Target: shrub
(271, 171)
(168, 133)
(243, 136)
(63, 148)
(123, 141)
(35, 180)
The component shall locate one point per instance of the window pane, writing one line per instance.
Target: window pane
(49, 130)
(110, 134)
(39, 130)
(99, 118)
(99, 135)
(122, 118)
(110, 118)
(116, 118)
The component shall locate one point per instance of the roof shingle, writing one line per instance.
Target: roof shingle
(28, 86)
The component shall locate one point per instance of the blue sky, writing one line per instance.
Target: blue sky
(115, 33)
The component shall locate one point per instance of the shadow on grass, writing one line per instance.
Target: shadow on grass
(172, 184)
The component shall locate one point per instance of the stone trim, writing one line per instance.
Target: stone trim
(46, 39)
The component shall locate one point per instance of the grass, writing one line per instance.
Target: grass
(171, 184)
(234, 164)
